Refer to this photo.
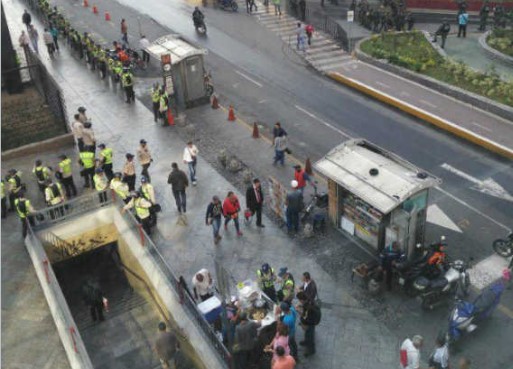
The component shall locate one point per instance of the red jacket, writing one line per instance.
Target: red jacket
(231, 207)
(300, 178)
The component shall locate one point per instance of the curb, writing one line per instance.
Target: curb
(496, 55)
(424, 115)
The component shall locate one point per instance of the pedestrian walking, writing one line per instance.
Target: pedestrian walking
(442, 31)
(86, 160)
(15, 187)
(483, 15)
(48, 40)
(250, 4)
(144, 44)
(166, 346)
(462, 23)
(277, 7)
(294, 204)
(280, 146)
(124, 31)
(310, 318)
(129, 172)
(26, 18)
(142, 210)
(309, 29)
(231, 208)
(255, 201)
(214, 216)
(309, 287)
(66, 176)
(89, 137)
(101, 184)
(4, 199)
(289, 317)
(410, 352)
(163, 106)
(148, 193)
(145, 159)
(301, 35)
(155, 99)
(179, 182)
(77, 128)
(283, 360)
(55, 36)
(439, 359)
(93, 298)
(266, 278)
(277, 130)
(106, 160)
(25, 210)
(246, 333)
(190, 157)
(127, 81)
(120, 187)
(302, 178)
(42, 174)
(24, 40)
(203, 285)
(34, 37)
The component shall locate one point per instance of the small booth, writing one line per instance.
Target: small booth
(183, 70)
(376, 196)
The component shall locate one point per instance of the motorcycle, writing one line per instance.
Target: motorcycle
(465, 315)
(504, 247)
(200, 25)
(229, 4)
(319, 200)
(455, 281)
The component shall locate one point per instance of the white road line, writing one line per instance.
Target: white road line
(321, 121)
(464, 203)
(404, 93)
(248, 78)
(428, 103)
(382, 84)
(482, 127)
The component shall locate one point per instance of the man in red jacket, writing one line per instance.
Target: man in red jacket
(231, 208)
(301, 177)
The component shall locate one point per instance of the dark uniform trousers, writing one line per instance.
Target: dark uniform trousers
(69, 186)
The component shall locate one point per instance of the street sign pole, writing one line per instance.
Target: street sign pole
(350, 20)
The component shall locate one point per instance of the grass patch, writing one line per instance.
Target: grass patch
(501, 40)
(412, 51)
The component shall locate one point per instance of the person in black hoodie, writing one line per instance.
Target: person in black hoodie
(310, 317)
(214, 216)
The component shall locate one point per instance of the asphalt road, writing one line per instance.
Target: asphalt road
(266, 83)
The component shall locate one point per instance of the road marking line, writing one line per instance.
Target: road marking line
(482, 127)
(404, 93)
(248, 78)
(382, 84)
(262, 101)
(321, 121)
(428, 103)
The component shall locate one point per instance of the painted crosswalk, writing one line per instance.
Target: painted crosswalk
(323, 54)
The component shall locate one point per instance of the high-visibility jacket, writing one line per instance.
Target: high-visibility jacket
(120, 187)
(155, 95)
(106, 154)
(65, 166)
(110, 64)
(127, 79)
(148, 192)
(287, 287)
(163, 102)
(101, 182)
(87, 159)
(300, 178)
(23, 207)
(53, 194)
(266, 279)
(141, 205)
(2, 189)
(42, 173)
(14, 183)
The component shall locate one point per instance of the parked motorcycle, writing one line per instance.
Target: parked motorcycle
(319, 200)
(466, 315)
(455, 281)
(504, 247)
(229, 4)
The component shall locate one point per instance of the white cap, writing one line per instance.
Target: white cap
(294, 183)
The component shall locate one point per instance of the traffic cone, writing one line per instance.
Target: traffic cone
(256, 134)
(215, 103)
(170, 118)
(107, 16)
(95, 9)
(231, 114)
(85, 3)
(308, 167)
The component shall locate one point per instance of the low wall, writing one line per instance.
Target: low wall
(492, 53)
(473, 5)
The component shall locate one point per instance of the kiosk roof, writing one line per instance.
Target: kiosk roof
(353, 165)
(174, 45)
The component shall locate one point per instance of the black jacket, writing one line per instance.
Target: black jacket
(214, 211)
(251, 200)
(26, 18)
(178, 180)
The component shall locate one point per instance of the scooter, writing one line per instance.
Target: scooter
(228, 4)
(465, 315)
(200, 26)
(504, 247)
(456, 280)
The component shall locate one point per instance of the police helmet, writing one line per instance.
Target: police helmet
(81, 109)
(118, 175)
(265, 267)
(144, 179)
(99, 170)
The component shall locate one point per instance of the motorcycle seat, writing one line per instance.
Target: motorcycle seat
(439, 282)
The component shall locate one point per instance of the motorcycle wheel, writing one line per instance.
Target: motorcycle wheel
(503, 248)
(235, 6)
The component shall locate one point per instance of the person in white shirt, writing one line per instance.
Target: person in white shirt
(410, 352)
(190, 154)
(440, 358)
(144, 44)
(202, 282)
(78, 132)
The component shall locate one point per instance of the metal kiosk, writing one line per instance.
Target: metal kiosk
(187, 73)
(376, 196)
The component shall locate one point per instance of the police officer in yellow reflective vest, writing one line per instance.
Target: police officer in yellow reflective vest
(120, 187)
(286, 293)
(42, 174)
(66, 176)
(24, 209)
(87, 162)
(155, 99)
(148, 192)
(106, 160)
(266, 280)
(54, 195)
(163, 105)
(101, 184)
(4, 200)
(14, 181)
(142, 210)
(127, 81)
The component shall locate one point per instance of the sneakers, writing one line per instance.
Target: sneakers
(217, 239)
(239, 234)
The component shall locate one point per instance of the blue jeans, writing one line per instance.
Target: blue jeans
(192, 170)
(216, 225)
(235, 220)
(292, 219)
(279, 156)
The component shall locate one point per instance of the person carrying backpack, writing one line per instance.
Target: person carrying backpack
(310, 318)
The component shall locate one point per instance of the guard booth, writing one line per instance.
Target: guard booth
(184, 81)
(375, 195)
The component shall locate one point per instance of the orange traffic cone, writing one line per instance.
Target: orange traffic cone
(256, 134)
(95, 9)
(231, 114)
(107, 16)
(215, 103)
(85, 3)
(308, 167)
(170, 118)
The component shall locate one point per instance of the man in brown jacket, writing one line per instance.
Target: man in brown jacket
(166, 346)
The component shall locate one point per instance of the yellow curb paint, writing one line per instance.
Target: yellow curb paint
(430, 118)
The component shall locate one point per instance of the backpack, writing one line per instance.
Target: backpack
(22, 207)
(40, 174)
(316, 314)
